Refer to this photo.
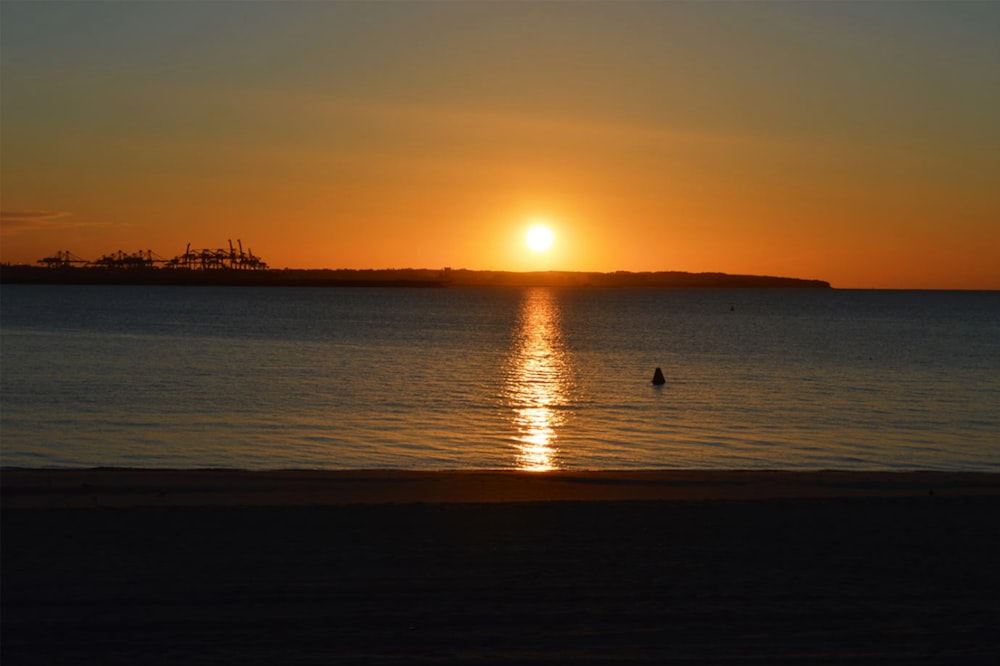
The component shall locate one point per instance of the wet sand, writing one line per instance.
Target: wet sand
(160, 567)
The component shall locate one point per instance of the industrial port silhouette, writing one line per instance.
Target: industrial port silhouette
(236, 266)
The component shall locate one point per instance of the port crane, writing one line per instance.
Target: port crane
(219, 259)
(62, 259)
(134, 260)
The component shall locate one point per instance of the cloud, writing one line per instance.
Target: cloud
(16, 221)
(6, 215)
(13, 220)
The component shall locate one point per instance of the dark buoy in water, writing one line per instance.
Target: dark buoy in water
(658, 379)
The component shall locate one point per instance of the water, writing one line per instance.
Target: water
(463, 378)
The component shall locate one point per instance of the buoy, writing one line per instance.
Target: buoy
(658, 378)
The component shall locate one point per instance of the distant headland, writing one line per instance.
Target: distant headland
(233, 266)
(403, 277)
(661, 279)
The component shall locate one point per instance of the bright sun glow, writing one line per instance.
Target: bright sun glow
(539, 238)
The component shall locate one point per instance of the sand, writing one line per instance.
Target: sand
(165, 567)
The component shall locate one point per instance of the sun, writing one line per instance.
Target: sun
(539, 238)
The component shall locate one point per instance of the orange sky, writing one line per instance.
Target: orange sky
(856, 143)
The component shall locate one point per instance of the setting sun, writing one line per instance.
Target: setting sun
(539, 238)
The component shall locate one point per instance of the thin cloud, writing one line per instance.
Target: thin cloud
(18, 221)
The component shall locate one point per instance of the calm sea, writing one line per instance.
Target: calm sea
(268, 378)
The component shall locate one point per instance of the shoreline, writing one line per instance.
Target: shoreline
(130, 487)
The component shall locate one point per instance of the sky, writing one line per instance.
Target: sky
(854, 142)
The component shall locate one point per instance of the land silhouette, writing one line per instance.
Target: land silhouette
(392, 277)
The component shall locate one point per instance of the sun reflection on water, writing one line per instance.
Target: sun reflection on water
(536, 387)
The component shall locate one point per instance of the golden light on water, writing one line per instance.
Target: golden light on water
(537, 388)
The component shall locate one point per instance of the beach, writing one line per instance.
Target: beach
(389, 567)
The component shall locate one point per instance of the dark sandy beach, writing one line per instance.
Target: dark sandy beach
(152, 567)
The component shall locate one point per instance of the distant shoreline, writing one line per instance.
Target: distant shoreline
(394, 278)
